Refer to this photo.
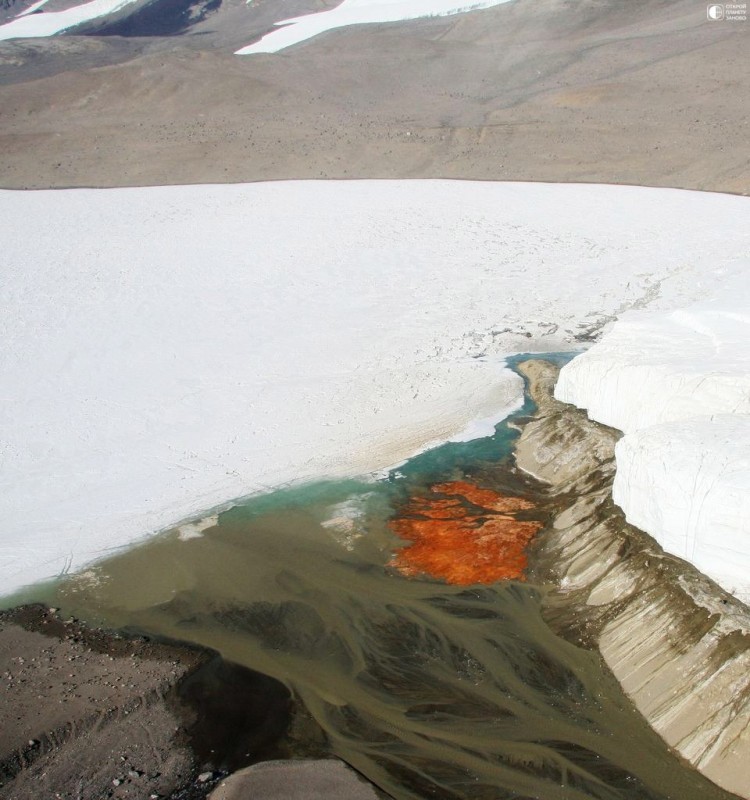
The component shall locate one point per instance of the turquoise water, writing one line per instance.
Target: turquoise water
(442, 462)
(461, 693)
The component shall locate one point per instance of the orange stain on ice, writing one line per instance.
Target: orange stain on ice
(464, 534)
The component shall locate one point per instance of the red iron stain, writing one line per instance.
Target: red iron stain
(463, 534)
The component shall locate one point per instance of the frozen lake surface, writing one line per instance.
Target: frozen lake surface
(166, 350)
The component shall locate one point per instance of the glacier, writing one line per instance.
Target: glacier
(29, 25)
(678, 385)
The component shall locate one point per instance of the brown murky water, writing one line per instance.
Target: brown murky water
(430, 690)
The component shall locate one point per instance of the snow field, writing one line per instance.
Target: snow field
(289, 31)
(28, 25)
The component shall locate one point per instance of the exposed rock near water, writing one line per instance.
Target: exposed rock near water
(676, 641)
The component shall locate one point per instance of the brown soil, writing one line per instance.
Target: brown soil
(88, 714)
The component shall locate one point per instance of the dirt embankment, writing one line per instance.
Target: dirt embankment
(90, 715)
(677, 642)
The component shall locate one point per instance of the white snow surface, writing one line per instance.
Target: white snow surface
(358, 12)
(654, 368)
(678, 385)
(165, 350)
(32, 8)
(28, 25)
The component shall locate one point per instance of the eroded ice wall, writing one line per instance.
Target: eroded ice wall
(678, 385)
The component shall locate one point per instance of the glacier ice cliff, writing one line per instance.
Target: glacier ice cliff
(688, 484)
(678, 385)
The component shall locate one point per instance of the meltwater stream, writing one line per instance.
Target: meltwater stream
(429, 690)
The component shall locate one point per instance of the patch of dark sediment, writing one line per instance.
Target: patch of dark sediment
(93, 714)
(678, 644)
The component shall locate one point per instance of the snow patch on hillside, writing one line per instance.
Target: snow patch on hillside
(32, 8)
(358, 12)
(165, 350)
(29, 25)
